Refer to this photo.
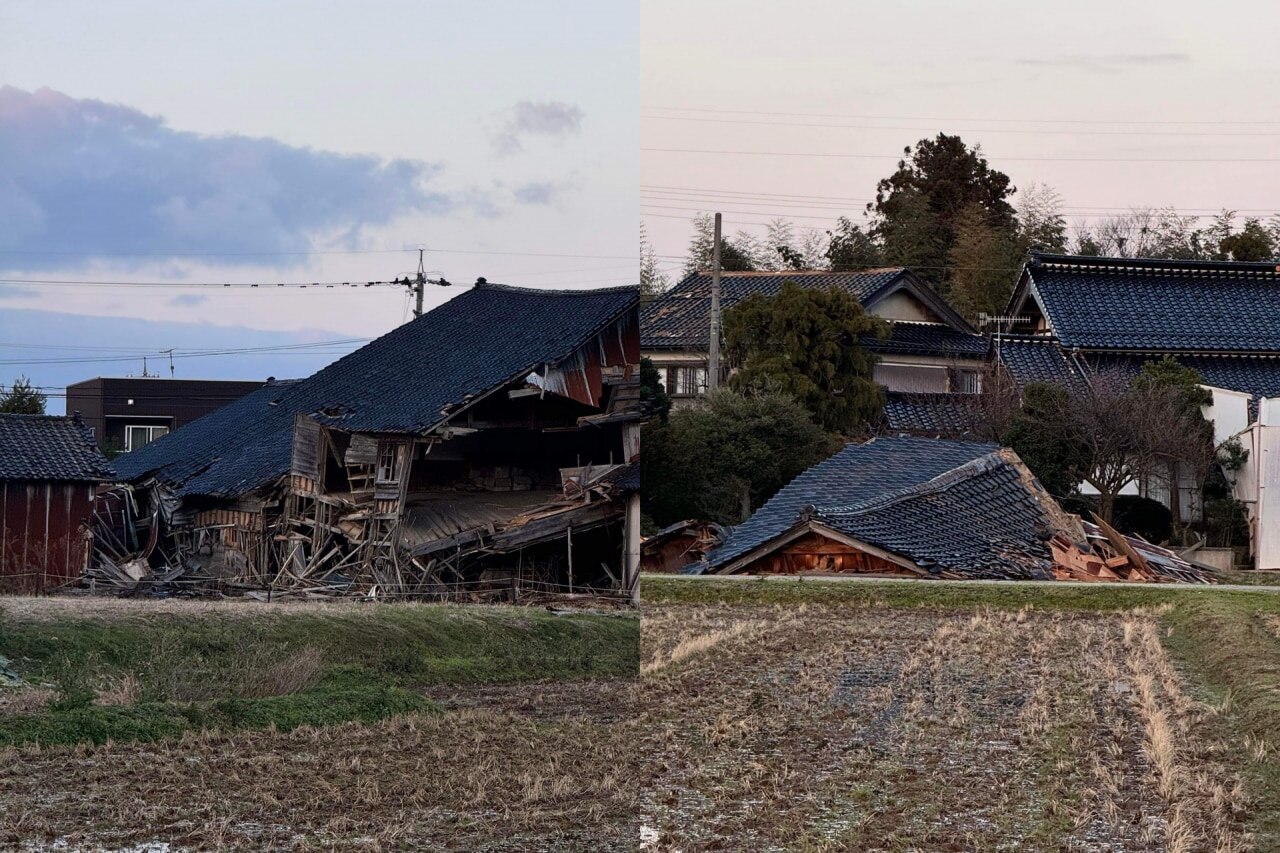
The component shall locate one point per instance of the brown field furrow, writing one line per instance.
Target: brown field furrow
(472, 779)
(895, 730)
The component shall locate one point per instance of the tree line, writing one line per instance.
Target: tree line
(950, 217)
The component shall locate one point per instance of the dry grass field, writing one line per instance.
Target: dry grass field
(870, 726)
(767, 716)
(470, 728)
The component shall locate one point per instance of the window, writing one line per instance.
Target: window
(685, 381)
(141, 436)
(389, 463)
(966, 382)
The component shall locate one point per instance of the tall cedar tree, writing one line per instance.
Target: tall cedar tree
(652, 392)
(724, 457)
(806, 343)
(21, 399)
(918, 209)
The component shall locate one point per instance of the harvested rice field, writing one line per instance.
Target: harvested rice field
(300, 727)
(872, 727)
(765, 717)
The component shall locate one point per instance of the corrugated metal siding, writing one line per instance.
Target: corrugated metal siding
(42, 545)
(1268, 513)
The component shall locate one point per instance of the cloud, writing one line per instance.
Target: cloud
(554, 119)
(81, 176)
(537, 192)
(186, 300)
(1107, 62)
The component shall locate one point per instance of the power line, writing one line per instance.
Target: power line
(316, 348)
(1006, 130)
(953, 118)
(834, 210)
(108, 253)
(899, 156)
(734, 195)
(199, 284)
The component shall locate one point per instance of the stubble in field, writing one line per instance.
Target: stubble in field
(879, 729)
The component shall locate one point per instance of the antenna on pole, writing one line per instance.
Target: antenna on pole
(713, 355)
(985, 320)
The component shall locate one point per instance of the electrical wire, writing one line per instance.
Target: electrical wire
(899, 156)
(953, 118)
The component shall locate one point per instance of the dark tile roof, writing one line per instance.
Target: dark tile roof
(928, 339)
(857, 473)
(1256, 375)
(1128, 304)
(680, 318)
(1037, 359)
(407, 381)
(934, 415)
(48, 447)
(624, 479)
(239, 435)
(979, 520)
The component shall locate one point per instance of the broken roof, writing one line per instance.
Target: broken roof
(49, 447)
(980, 520)
(410, 380)
(680, 318)
(1154, 305)
(858, 473)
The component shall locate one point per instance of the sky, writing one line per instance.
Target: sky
(156, 143)
(1084, 96)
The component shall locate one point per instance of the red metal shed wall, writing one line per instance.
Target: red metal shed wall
(41, 544)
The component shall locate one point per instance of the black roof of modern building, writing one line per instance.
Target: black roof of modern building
(855, 475)
(1153, 305)
(680, 318)
(408, 381)
(49, 447)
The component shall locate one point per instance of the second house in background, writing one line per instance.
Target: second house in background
(930, 347)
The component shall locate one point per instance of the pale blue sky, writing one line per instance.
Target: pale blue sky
(517, 123)
(934, 66)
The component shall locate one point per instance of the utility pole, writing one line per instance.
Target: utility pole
(419, 284)
(713, 359)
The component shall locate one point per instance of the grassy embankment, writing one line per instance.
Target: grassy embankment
(1225, 643)
(96, 670)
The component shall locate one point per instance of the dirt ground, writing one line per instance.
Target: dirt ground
(847, 729)
(787, 727)
(531, 767)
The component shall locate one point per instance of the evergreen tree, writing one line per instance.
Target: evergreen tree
(21, 398)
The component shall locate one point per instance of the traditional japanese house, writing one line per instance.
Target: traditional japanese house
(49, 472)
(1076, 316)
(930, 348)
(491, 442)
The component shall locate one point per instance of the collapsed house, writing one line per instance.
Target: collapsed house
(920, 507)
(49, 471)
(490, 444)
(677, 545)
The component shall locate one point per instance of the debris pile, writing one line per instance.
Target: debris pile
(1108, 555)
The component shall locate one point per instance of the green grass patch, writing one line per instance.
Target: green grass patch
(761, 590)
(139, 674)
